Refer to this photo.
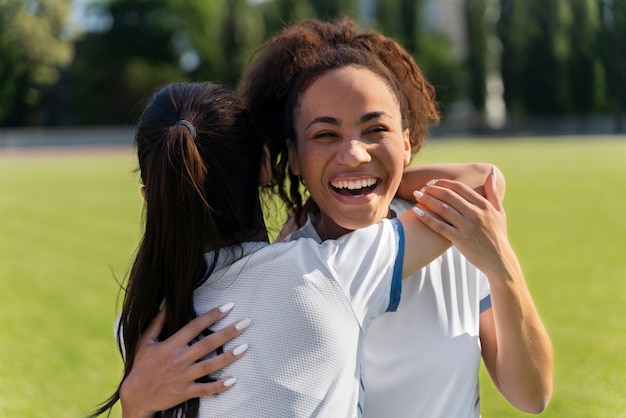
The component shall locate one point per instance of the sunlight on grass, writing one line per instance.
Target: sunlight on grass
(565, 203)
(70, 224)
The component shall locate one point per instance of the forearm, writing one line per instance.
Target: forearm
(524, 354)
(471, 174)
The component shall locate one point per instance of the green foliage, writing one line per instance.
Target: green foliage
(432, 50)
(70, 223)
(559, 57)
(279, 13)
(533, 35)
(330, 9)
(153, 42)
(440, 68)
(612, 39)
(400, 19)
(581, 62)
(476, 61)
(33, 50)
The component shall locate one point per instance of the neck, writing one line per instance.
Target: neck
(329, 229)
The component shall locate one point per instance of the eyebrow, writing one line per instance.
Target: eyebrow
(324, 119)
(334, 121)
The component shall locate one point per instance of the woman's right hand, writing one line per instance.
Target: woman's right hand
(164, 372)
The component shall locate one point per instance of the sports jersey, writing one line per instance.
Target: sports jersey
(310, 305)
(423, 360)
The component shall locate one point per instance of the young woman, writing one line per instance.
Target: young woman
(461, 317)
(205, 245)
(465, 308)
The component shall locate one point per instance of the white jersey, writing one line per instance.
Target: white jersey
(423, 360)
(310, 305)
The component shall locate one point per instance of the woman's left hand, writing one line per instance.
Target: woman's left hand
(476, 225)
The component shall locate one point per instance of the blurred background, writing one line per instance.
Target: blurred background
(504, 66)
(537, 87)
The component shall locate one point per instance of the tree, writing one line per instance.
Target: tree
(331, 9)
(476, 62)
(33, 50)
(153, 42)
(402, 20)
(279, 13)
(533, 34)
(581, 62)
(612, 40)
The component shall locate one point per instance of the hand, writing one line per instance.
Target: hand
(164, 372)
(476, 225)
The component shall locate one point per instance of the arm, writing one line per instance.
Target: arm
(516, 347)
(164, 372)
(423, 244)
(471, 174)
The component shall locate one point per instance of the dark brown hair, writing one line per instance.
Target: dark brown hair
(201, 180)
(277, 64)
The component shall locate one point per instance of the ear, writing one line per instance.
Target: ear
(143, 192)
(265, 172)
(408, 152)
(294, 161)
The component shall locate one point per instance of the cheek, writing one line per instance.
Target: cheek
(395, 159)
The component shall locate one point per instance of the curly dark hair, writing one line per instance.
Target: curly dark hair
(277, 65)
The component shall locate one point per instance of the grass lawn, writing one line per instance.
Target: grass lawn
(69, 224)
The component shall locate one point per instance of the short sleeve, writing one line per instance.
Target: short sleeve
(484, 292)
(367, 264)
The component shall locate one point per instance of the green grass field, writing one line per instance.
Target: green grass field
(69, 224)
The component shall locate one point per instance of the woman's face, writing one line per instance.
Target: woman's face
(351, 148)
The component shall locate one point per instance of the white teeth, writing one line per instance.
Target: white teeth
(354, 184)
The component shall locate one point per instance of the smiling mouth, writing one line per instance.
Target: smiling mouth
(358, 187)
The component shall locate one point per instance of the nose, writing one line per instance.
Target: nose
(353, 152)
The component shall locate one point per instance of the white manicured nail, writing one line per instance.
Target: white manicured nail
(227, 307)
(240, 350)
(230, 382)
(418, 211)
(431, 182)
(418, 194)
(242, 324)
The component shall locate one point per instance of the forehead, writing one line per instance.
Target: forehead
(349, 88)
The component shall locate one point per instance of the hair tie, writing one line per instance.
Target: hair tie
(192, 129)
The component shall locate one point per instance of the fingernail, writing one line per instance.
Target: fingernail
(431, 182)
(162, 305)
(418, 211)
(230, 382)
(227, 307)
(240, 350)
(418, 194)
(494, 173)
(243, 324)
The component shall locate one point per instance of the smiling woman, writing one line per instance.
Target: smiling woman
(352, 161)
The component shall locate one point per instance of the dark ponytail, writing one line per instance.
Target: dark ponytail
(199, 160)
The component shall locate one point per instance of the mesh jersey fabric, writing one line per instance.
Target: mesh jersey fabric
(423, 360)
(309, 304)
